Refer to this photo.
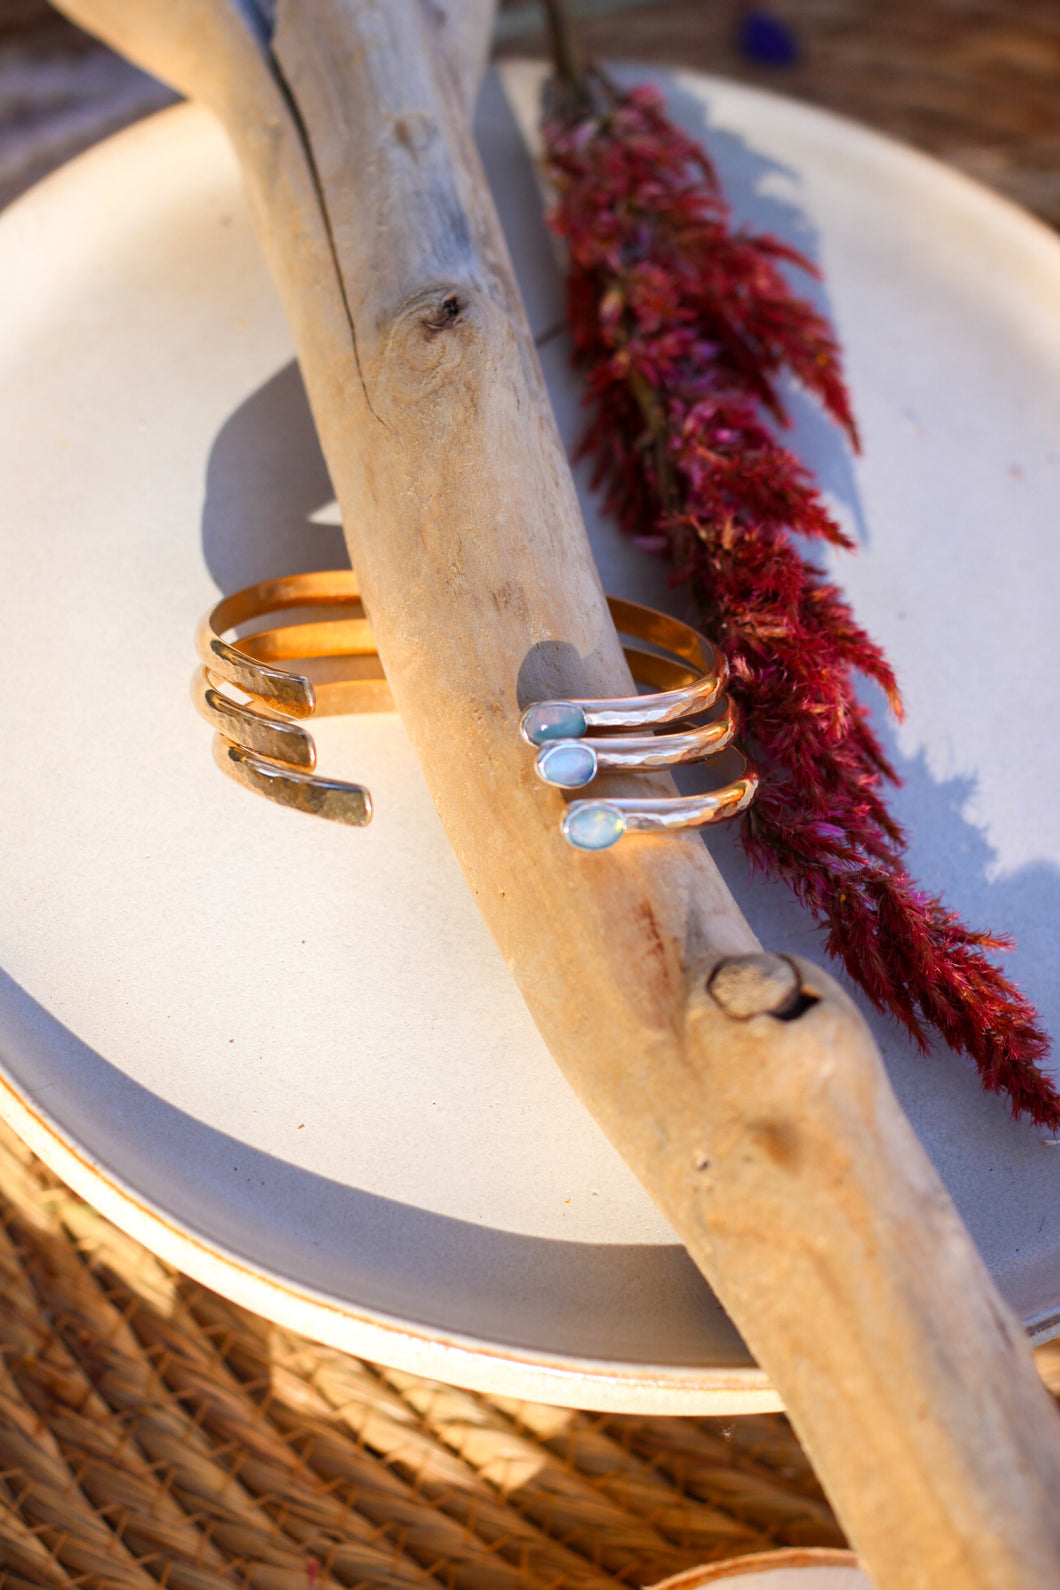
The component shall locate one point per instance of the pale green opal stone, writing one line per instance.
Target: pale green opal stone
(553, 720)
(593, 825)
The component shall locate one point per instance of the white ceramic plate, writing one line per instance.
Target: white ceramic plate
(776, 1570)
(286, 1055)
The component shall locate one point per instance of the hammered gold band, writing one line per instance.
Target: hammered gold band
(258, 743)
(246, 663)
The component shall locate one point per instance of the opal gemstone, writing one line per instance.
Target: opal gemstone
(593, 825)
(553, 720)
(568, 763)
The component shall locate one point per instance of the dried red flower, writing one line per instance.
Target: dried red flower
(683, 329)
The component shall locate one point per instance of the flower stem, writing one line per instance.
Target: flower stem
(566, 56)
(655, 420)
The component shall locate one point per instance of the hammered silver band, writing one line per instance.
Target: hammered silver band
(690, 682)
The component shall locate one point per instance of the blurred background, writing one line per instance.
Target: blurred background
(975, 82)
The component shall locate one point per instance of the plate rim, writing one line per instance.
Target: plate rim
(604, 1385)
(760, 1562)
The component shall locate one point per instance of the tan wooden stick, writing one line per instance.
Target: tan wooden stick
(743, 1090)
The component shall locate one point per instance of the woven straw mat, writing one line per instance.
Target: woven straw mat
(153, 1433)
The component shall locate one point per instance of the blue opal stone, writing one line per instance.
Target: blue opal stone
(568, 763)
(593, 825)
(553, 720)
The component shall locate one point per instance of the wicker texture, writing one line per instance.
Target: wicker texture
(153, 1433)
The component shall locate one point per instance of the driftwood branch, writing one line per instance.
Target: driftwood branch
(746, 1095)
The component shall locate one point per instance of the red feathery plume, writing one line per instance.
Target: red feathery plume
(683, 329)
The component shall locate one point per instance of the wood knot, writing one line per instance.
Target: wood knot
(440, 316)
(758, 985)
(415, 131)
